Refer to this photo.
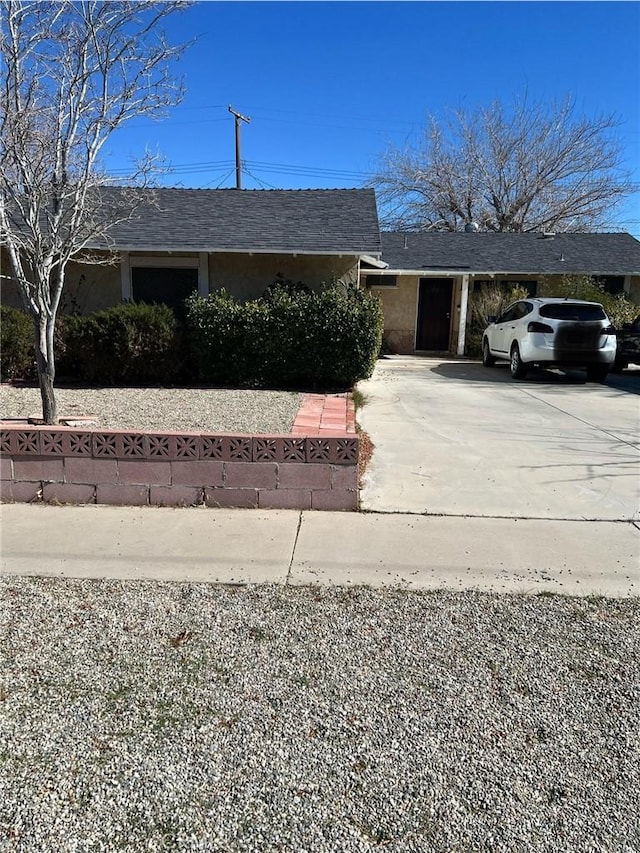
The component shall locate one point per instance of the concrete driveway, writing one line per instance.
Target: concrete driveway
(454, 437)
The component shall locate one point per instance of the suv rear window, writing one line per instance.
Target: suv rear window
(571, 311)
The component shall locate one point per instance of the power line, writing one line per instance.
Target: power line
(222, 180)
(258, 165)
(263, 184)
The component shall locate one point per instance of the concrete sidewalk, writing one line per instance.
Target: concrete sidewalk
(277, 546)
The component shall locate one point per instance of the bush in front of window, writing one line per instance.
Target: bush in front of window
(618, 307)
(17, 358)
(291, 338)
(490, 300)
(129, 344)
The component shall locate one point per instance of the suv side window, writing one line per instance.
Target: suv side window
(509, 314)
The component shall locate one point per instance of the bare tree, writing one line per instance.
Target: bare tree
(72, 73)
(530, 167)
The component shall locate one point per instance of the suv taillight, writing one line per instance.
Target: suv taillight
(539, 327)
(608, 330)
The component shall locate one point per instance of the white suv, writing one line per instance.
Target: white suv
(552, 333)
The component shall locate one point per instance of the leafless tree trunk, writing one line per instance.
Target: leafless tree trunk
(528, 168)
(72, 73)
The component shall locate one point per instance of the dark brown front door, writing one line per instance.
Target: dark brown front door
(434, 314)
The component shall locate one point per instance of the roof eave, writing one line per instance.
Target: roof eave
(493, 272)
(356, 253)
(374, 262)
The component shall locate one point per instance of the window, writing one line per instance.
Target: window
(510, 314)
(571, 311)
(523, 308)
(612, 283)
(167, 285)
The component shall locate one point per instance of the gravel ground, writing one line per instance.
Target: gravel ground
(157, 717)
(188, 409)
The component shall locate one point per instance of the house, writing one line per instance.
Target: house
(181, 240)
(428, 276)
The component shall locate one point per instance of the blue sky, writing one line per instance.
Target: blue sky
(329, 85)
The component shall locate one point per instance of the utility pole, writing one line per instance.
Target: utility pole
(238, 118)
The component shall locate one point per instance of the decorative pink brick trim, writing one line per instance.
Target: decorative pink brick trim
(327, 414)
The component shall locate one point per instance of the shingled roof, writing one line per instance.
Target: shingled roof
(341, 221)
(534, 253)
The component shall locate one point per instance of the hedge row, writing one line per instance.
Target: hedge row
(129, 344)
(17, 360)
(289, 338)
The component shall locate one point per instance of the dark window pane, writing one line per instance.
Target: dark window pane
(167, 285)
(612, 283)
(381, 280)
(571, 311)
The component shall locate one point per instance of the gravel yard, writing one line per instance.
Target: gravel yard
(154, 717)
(172, 409)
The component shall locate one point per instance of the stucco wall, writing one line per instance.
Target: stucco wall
(247, 276)
(92, 287)
(88, 287)
(400, 308)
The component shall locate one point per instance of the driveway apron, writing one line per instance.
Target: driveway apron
(454, 437)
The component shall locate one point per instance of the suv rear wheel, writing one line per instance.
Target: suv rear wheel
(517, 367)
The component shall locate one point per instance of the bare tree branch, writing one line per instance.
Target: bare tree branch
(531, 167)
(72, 72)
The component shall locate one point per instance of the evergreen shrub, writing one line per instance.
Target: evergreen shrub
(129, 344)
(17, 358)
(289, 338)
(618, 307)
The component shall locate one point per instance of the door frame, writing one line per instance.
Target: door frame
(454, 283)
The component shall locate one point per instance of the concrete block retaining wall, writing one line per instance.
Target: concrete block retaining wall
(68, 465)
